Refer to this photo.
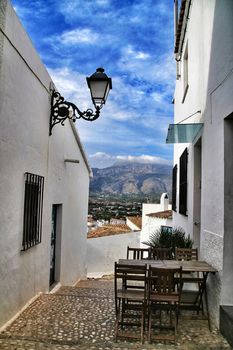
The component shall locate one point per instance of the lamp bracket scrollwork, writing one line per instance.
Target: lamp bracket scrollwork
(62, 110)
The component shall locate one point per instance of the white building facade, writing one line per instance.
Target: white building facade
(151, 221)
(44, 199)
(203, 162)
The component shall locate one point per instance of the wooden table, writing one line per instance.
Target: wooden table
(187, 266)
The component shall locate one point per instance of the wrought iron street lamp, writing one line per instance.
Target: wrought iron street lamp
(99, 84)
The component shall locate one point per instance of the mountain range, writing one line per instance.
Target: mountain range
(132, 178)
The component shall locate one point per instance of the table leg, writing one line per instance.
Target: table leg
(206, 300)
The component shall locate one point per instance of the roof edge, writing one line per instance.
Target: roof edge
(182, 25)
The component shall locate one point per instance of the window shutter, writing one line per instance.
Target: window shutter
(183, 182)
(174, 185)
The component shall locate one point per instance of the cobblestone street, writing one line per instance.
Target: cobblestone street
(82, 317)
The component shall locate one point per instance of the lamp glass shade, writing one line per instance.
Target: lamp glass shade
(99, 91)
(99, 85)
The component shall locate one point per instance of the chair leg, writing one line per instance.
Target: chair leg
(117, 325)
(177, 312)
(149, 326)
(170, 312)
(175, 327)
(142, 326)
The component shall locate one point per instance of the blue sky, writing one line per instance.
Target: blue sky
(133, 41)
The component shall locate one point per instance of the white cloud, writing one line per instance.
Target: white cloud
(79, 36)
(102, 2)
(130, 53)
(72, 86)
(102, 159)
(158, 97)
(157, 69)
(145, 159)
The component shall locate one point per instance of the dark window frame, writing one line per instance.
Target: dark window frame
(174, 187)
(183, 183)
(166, 229)
(33, 206)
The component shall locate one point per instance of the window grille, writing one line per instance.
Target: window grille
(174, 185)
(183, 182)
(33, 204)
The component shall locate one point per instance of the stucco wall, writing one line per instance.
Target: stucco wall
(25, 146)
(102, 252)
(152, 224)
(210, 49)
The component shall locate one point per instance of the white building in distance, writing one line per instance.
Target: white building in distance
(154, 216)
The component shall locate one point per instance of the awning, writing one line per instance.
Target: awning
(183, 133)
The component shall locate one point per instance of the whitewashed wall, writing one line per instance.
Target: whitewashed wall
(25, 146)
(210, 51)
(102, 252)
(151, 224)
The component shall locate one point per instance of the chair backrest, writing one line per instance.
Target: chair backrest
(165, 281)
(138, 253)
(186, 254)
(161, 253)
(130, 276)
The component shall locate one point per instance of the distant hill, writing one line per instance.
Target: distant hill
(132, 178)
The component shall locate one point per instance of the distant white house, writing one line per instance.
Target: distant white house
(44, 197)
(154, 216)
(203, 137)
(115, 221)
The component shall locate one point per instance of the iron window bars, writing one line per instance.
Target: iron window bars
(33, 204)
(183, 182)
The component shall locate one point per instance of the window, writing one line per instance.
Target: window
(185, 73)
(183, 182)
(33, 203)
(166, 229)
(174, 184)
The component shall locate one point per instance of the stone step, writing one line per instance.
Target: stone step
(226, 323)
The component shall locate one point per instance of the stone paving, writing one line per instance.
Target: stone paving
(82, 317)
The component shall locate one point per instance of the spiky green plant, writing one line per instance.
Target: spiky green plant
(161, 239)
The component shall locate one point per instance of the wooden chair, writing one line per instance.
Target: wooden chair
(161, 253)
(130, 300)
(164, 291)
(138, 253)
(186, 254)
(191, 299)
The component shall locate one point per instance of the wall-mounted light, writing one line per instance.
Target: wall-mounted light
(99, 84)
